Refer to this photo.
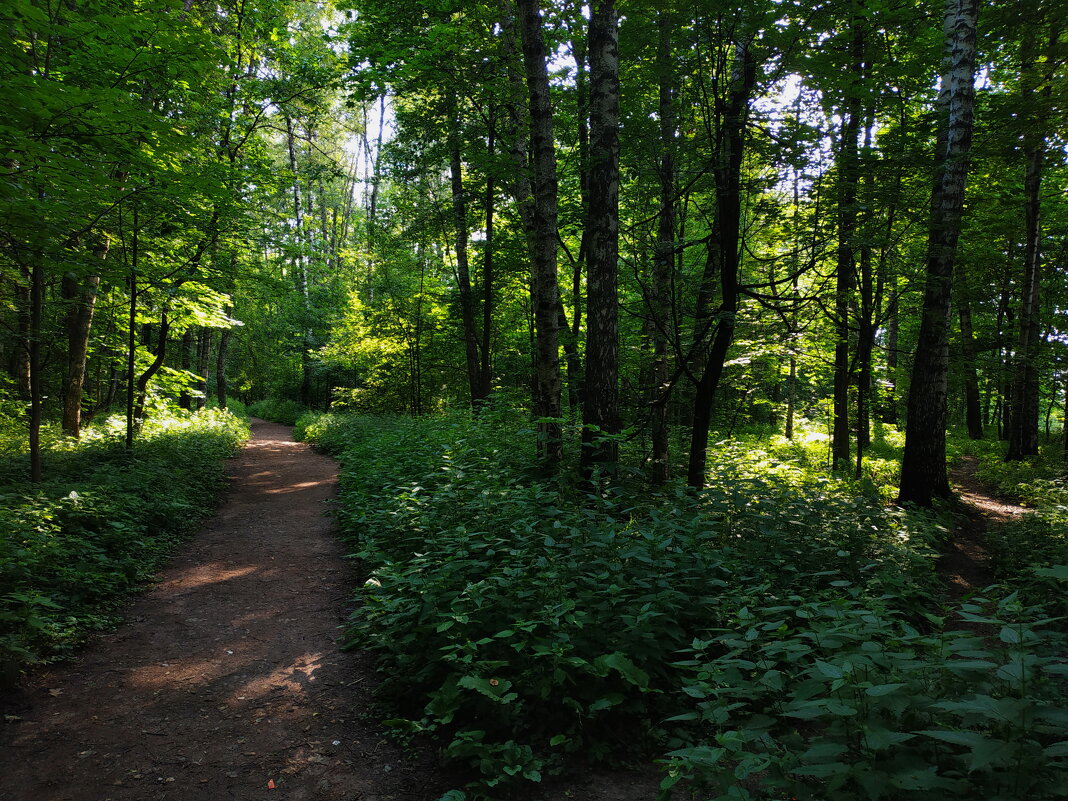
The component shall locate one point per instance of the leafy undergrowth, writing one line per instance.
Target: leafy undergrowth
(1030, 553)
(770, 637)
(286, 412)
(99, 526)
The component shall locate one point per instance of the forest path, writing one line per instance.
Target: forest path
(227, 675)
(965, 565)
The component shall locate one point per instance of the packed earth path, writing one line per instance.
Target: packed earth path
(226, 680)
(965, 564)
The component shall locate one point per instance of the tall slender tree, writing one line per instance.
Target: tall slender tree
(923, 468)
(601, 394)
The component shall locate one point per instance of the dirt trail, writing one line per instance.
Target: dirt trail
(966, 563)
(227, 675)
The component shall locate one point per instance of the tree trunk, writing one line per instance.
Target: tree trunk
(728, 176)
(600, 412)
(81, 301)
(664, 257)
(1023, 433)
(203, 358)
(865, 348)
(1005, 323)
(23, 302)
(160, 356)
(185, 400)
(923, 468)
(848, 171)
(890, 399)
(131, 342)
(33, 348)
(220, 367)
(545, 290)
(485, 367)
(463, 270)
(300, 268)
(972, 412)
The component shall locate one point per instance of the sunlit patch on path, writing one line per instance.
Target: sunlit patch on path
(227, 674)
(965, 566)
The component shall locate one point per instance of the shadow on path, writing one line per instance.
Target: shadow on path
(227, 674)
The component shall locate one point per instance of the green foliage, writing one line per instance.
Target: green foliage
(285, 412)
(843, 700)
(1033, 481)
(100, 526)
(523, 620)
(1027, 551)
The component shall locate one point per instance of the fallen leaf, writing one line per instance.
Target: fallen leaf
(55, 693)
(270, 784)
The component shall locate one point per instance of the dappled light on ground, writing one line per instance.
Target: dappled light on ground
(227, 675)
(207, 574)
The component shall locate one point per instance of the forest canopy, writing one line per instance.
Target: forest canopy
(649, 221)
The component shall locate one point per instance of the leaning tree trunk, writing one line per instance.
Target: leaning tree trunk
(545, 294)
(600, 412)
(923, 467)
(160, 355)
(727, 251)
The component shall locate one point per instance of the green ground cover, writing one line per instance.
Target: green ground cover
(781, 634)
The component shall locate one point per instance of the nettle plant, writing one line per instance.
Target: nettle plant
(839, 700)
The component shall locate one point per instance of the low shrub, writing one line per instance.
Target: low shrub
(845, 700)
(285, 412)
(527, 622)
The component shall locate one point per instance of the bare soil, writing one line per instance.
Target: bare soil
(226, 681)
(966, 563)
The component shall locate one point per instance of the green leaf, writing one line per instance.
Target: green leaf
(703, 755)
(1057, 749)
(822, 771)
(823, 751)
(965, 738)
(772, 679)
(879, 690)
(1055, 571)
(491, 688)
(1009, 635)
(878, 738)
(829, 670)
(622, 665)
